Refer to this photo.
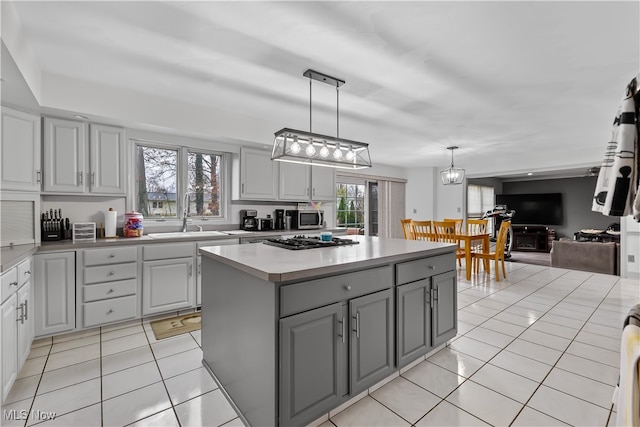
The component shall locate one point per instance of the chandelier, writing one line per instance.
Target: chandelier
(296, 146)
(452, 175)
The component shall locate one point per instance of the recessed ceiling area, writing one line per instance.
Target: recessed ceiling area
(518, 86)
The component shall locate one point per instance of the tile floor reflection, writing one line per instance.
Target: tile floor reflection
(540, 348)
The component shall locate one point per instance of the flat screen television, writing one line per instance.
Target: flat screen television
(534, 209)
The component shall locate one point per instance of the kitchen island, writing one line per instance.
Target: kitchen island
(291, 334)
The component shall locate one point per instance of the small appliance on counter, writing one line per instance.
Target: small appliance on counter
(265, 224)
(279, 219)
(248, 220)
(307, 219)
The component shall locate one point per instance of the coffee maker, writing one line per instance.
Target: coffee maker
(248, 220)
(279, 221)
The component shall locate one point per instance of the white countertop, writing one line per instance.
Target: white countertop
(275, 264)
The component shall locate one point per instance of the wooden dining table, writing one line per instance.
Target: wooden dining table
(467, 238)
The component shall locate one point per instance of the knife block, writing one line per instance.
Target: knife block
(47, 234)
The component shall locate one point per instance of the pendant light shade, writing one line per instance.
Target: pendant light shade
(452, 175)
(296, 146)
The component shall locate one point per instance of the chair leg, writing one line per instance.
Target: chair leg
(504, 272)
(497, 271)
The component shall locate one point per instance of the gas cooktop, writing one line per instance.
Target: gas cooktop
(297, 243)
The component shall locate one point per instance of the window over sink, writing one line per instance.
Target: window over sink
(165, 173)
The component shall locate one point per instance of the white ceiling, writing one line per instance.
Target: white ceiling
(516, 85)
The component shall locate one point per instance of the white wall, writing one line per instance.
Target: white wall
(450, 199)
(420, 194)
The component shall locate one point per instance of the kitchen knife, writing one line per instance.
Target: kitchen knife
(60, 213)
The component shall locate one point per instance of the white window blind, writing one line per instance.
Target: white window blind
(480, 199)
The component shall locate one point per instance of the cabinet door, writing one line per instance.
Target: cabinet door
(107, 145)
(9, 344)
(294, 182)
(323, 183)
(414, 320)
(258, 175)
(25, 325)
(54, 282)
(445, 307)
(20, 151)
(167, 285)
(372, 339)
(312, 348)
(65, 143)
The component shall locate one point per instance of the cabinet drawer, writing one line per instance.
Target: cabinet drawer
(110, 256)
(110, 310)
(109, 290)
(316, 293)
(110, 273)
(178, 250)
(24, 271)
(9, 283)
(426, 267)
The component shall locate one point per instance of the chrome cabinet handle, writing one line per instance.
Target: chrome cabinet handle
(242, 191)
(13, 283)
(111, 256)
(93, 178)
(347, 287)
(80, 177)
(342, 331)
(357, 324)
(314, 191)
(111, 273)
(110, 291)
(27, 273)
(190, 270)
(432, 267)
(39, 176)
(110, 311)
(21, 318)
(432, 297)
(26, 310)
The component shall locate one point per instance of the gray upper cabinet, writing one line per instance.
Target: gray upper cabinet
(107, 145)
(258, 175)
(65, 145)
(74, 163)
(302, 183)
(21, 150)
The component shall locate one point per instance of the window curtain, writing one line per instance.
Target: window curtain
(391, 208)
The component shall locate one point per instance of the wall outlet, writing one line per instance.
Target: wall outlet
(631, 258)
(459, 210)
(415, 210)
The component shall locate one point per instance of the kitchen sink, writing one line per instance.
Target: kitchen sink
(177, 234)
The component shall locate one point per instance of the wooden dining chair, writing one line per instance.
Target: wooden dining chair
(458, 222)
(445, 232)
(497, 256)
(422, 230)
(406, 228)
(477, 226)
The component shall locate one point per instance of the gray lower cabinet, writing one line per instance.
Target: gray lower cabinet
(54, 293)
(313, 350)
(426, 310)
(329, 352)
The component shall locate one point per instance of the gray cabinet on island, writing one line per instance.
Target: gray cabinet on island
(290, 335)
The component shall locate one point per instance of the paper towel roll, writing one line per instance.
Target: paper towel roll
(110, 217)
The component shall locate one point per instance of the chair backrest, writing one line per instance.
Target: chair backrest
(501, 240)
(406, 228)
(422, 230)
(458, 222)
(477, 226)
(445, 231)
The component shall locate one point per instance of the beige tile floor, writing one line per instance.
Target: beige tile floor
(538, 349)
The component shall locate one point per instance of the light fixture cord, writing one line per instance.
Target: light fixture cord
(337, 111)
(310, 105)
(452, 158)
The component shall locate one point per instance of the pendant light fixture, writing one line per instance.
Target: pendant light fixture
(296, 146)
(452, 175)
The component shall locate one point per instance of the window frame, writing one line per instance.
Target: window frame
(182, 176)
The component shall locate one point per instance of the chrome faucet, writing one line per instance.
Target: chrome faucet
(185, 214)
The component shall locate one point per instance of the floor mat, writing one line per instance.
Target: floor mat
(173, 326)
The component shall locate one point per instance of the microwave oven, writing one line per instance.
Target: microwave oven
(306, 219)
